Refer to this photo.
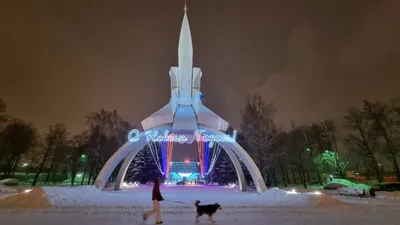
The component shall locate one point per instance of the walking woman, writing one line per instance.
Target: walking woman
(156, 198)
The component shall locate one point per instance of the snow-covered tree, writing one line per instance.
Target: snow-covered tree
(143, 167)
(224, 170)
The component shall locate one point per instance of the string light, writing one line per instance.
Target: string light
(153, 151)
(206, 158)
(216, 151)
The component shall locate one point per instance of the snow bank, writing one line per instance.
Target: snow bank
(78, 195)
(6, 191)
(10, 182)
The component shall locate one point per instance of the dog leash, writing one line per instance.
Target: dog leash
(185, 203)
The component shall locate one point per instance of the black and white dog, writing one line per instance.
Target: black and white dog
(209, 210)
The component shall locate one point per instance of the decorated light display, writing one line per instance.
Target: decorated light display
(210, 139)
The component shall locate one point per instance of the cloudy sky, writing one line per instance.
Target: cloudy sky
(60, 60)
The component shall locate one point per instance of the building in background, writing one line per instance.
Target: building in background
(187, 171)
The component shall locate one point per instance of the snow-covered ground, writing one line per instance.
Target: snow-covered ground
(174, 195)
(6, 191)
(86, 205)
(180, 216)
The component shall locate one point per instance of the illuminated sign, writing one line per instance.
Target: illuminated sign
(199, 135)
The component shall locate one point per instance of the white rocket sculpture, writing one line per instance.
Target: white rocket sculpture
(185, 110)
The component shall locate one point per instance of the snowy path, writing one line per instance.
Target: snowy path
(87, 206)
(238, 216)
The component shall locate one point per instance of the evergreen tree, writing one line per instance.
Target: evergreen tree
(137, 167)
(152, 171)
(143, 167)
(224, 170)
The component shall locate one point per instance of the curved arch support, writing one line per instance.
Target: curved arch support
(236, 163)
(247, 160)
(121, 154)
(113, 162)
(125, 165)
(251, 166)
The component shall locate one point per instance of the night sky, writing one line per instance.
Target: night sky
(60, 60)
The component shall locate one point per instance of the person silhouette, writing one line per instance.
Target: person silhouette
(156, 198)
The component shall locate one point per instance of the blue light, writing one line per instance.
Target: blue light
(164, 155)
(206, 158)
(201, 96)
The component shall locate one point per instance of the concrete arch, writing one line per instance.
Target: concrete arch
(245, 158)
(129, 150)
(236, 163)
(124, 168)
(128, 160)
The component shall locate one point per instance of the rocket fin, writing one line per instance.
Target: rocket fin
(163, 116)
(208, 118)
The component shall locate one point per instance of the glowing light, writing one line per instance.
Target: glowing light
(154, 154)
(187, 161)
(200, 148)
(184, 174)
(27, 190)
(132, 136)
(153, 136)
(211, 139)
(206, 158)
(79, 175)
(292, 192)
(216, 151)
(166, 150)
(317, 193)
(25, 165)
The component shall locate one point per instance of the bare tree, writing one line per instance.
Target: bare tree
(364, 139)
(383, 120)
(78, 156)
(3, 113)
(296, 150)
(18, 138)
(3, 119)
(56, 135)
(260, 133)
(108, 131)
(57, 141)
